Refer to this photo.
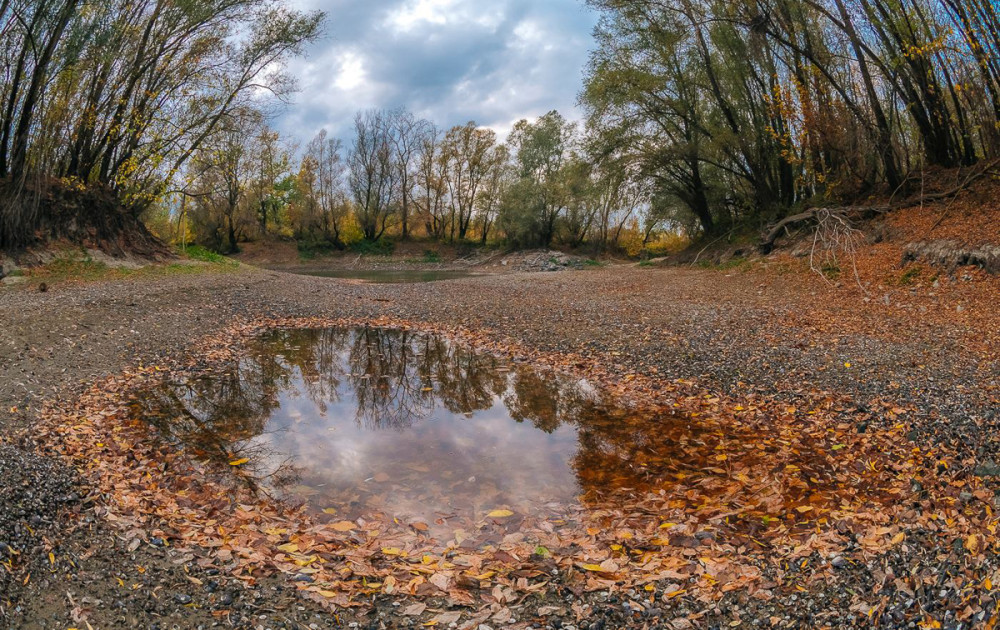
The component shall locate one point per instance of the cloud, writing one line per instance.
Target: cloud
(450, 61)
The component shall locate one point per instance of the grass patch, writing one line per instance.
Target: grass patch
(645, 263)
(590, 262)
(910, 276)
(197, 252)
(381, 247)
(82, 268)
(310, 249)
(830, 270)
(430, 257)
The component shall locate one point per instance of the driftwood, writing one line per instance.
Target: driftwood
(865, 212)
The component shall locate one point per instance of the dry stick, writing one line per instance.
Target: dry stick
(695, 261)
(812, 213)
(944, 213)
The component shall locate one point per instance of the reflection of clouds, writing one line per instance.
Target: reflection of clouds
(408, 424)
(513, 463)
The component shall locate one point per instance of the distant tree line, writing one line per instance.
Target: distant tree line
(403, 177)
(737, 111)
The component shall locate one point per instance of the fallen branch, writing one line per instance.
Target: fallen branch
(866, 212)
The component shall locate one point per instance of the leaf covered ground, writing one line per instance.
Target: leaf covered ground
(838, 469)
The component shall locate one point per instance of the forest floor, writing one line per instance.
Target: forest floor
(879, 403)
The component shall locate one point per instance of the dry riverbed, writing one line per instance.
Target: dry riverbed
(876, 412)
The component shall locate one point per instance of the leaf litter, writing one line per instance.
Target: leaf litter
(765, 487)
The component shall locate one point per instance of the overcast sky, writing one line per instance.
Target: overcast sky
(450, 61)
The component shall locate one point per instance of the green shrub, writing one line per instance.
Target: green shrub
(311, 248)
(381, 247)
(197, 252)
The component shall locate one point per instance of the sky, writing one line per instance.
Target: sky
(449, 61)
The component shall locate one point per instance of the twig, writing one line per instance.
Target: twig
(812, 214)
(695, 261)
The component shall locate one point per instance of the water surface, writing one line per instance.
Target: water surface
(404, 276)
(362, 420)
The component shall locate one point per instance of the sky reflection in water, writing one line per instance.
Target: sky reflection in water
(368, 420)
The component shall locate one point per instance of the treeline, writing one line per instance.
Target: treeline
(400, 176)
(738, 111)
(122, 95)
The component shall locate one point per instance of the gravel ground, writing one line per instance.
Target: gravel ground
(733, 333)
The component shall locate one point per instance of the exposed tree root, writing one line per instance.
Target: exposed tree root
(91, 217)
(852, 214)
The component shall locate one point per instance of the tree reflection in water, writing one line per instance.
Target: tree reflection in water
(412, 423)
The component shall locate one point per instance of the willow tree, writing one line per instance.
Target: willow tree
(121, 94)
(782, 103)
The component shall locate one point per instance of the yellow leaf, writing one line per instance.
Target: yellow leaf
(802, 509)
(288, 547)
(391, 551)
(330, 511)
(239, 462)
(972, 543)
(52, 558)
(343, 526)
(847, 365)
(501, 513)
(898, 538)
(328, 594)
(592, 567)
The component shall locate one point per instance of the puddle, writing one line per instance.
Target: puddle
(408, 424)
(390, 276)
(371, 421)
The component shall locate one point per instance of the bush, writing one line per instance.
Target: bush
(381, 247)
(311, 248)
(197, 252)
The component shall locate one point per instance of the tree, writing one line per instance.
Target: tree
(432, 184)
(408, 137)
(499, 177)
(374, 173)
(325, 186)
(119, 95)
(540, 149)
(467, 151)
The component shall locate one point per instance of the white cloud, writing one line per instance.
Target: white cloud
(352, 72)
(451, 61)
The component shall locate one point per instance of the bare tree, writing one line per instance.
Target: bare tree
(328, 188)
(408, 136)
(373, 172)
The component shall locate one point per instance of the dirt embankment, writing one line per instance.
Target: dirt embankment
(926, 346)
